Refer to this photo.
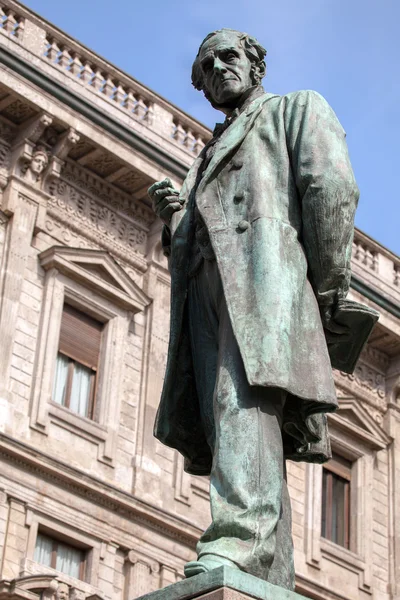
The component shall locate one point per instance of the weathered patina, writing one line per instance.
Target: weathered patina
(259, 243)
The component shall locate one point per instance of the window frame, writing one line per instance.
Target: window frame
(336, 468)
(65, 530)
(355, 436)
(56, 540)
(66, 280)
(94, 377)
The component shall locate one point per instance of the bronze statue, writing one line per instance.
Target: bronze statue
(259, 244)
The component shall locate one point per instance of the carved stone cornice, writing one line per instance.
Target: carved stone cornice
(100, 493)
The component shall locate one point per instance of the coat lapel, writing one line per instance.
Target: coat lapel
(235, 134)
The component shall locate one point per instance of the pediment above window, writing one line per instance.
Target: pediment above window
(98, 271)
(353, 419)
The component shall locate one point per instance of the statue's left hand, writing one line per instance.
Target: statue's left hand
(333, 331)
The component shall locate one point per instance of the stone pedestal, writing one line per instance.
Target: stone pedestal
(222, 584)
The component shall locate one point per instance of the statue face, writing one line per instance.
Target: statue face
(63, 592)
(226, 68)
(38, 163)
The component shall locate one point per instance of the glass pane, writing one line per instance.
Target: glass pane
(68, 560)
(43, 550)
(80, 392)
(60, 380)
(338, 510)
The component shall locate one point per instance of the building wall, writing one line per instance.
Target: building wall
(83, 229)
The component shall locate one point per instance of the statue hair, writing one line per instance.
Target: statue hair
(253, 50)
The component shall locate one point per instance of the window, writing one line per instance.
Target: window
(336, 482)
(59, 555)
(77, 362)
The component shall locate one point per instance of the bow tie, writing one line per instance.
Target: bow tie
(220, 127)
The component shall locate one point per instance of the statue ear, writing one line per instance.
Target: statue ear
(259, 71)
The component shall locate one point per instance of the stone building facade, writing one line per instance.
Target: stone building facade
(91, 505)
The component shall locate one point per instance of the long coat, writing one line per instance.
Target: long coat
(278, 199)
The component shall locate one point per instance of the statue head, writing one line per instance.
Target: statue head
(227, 64)
(62, 592)
(39, 161)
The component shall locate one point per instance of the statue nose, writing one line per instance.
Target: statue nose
(219, 66)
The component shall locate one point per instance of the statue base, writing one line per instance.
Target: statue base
(223, 583)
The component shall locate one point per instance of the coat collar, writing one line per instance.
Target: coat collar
(235, 134)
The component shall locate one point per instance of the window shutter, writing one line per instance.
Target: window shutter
(80, 337)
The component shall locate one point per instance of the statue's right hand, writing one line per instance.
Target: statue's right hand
(165, 199)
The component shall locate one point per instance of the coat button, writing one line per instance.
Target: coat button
(239, 197)
(243, 225)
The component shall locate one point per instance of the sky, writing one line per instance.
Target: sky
(348, 50)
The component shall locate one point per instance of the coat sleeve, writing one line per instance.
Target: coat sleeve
(327, 190)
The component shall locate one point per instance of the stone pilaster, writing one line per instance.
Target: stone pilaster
(19, 236)
(139, 571)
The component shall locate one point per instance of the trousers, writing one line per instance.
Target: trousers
(250, 505)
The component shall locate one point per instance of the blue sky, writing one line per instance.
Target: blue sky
(348, 50)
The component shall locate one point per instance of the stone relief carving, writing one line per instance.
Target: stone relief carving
(19, 111)
(33, 170)
(62, 592)
(369, 380)
(104, 192)
(90, 214)
(5, 156)
(7, 132)
(375, 358)
(73, 233)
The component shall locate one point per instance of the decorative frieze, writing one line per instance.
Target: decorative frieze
(93, 186)
(110, 227)
(7, 132)
(366, 382)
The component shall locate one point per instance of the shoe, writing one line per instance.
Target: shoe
(207, 563)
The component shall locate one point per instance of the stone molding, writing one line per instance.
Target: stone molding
(356, 436)
(110, 497)
(67, 278)
(115, 284)
(101, 224)
(19, 233)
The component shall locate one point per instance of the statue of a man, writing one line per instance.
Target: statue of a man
(259, 244)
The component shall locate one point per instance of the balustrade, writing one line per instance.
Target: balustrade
(185, 137)
(101, 78)
(11, 23)
(91, 75)
(366, 255)
(396, 275)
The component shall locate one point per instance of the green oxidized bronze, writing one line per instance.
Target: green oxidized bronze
(259, 244)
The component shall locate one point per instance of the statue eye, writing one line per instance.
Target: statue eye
(230, 57)
(207, 66)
